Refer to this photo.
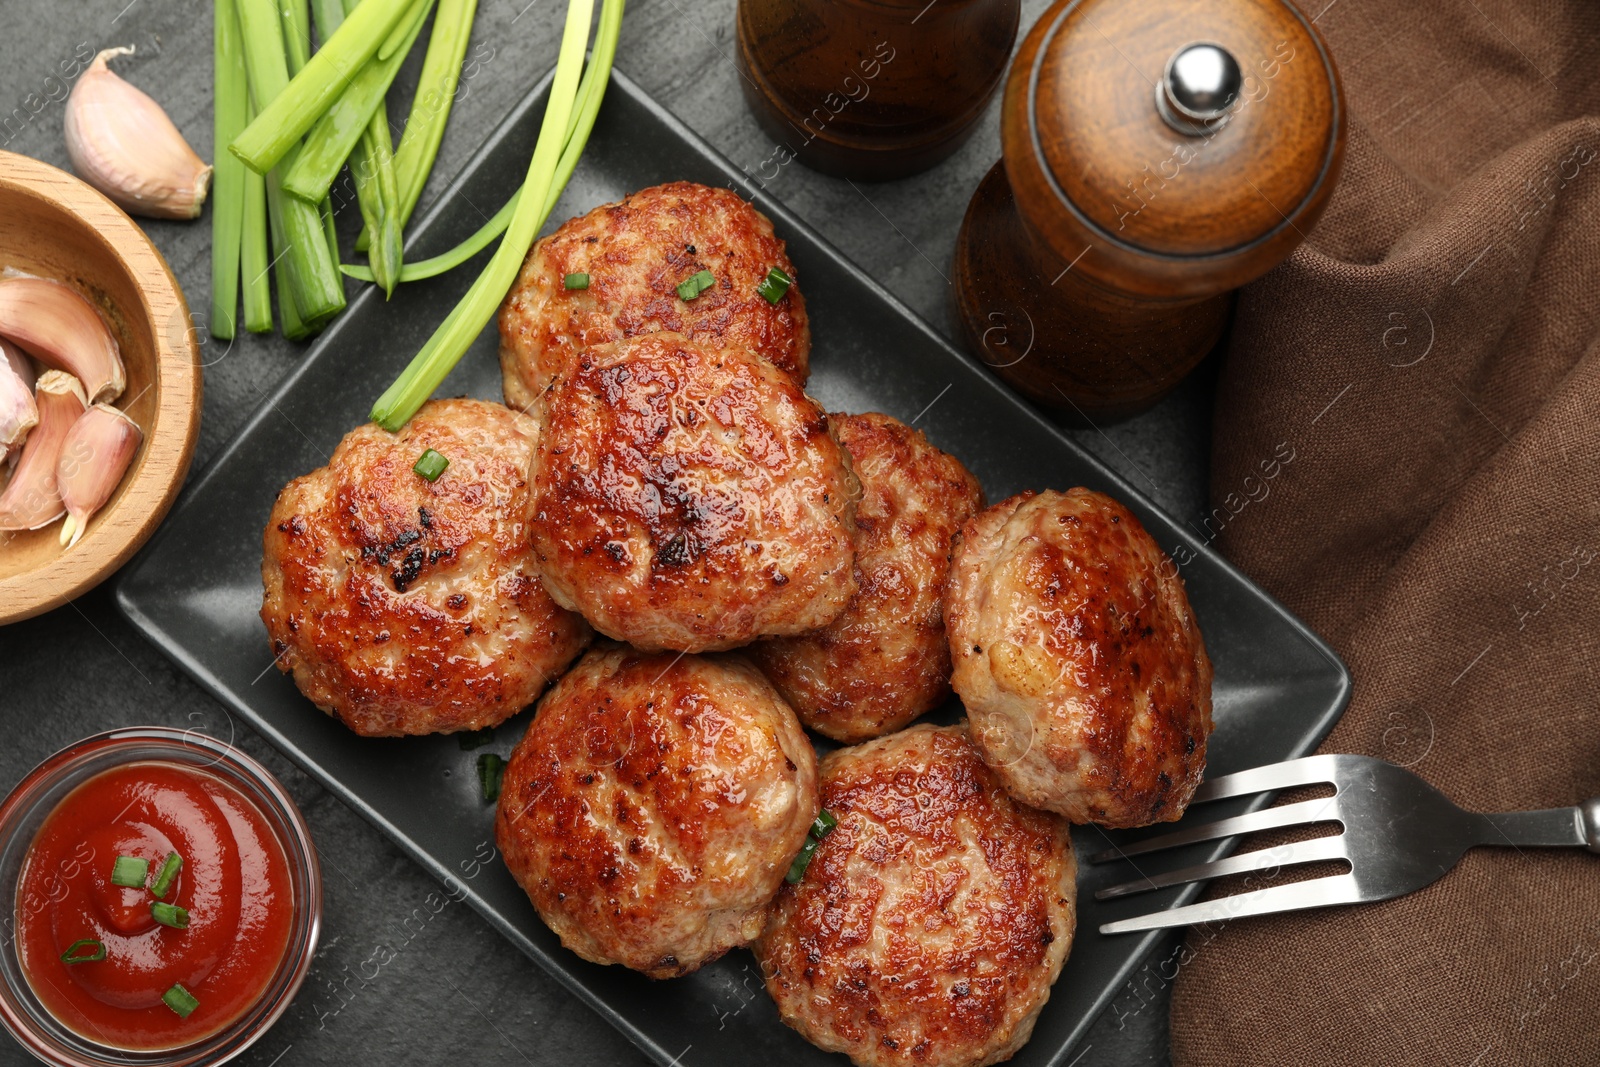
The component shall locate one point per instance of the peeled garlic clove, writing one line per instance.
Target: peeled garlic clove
(32, 498)
(18, 412)
(122, 143)
(95, 456)
(61, 329)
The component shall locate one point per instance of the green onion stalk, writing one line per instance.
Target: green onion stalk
(447, 261)
(377, 192)
(253, 257)
(430, 108)
(404, 32)
(297, 47)
(232, 107)
(379, 198)
(286, 248)
(450, 341)
(309, 278)
(296, 18)
(590, 95)
(289, 110)
(336, 134)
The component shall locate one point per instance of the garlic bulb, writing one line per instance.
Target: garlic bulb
(32, 498)
(96, 454)
(61, 329)
(122, 143)
(18, 412)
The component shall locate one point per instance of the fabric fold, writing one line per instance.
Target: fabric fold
(1431, 358)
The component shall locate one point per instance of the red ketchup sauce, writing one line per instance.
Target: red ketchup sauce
(234, 882)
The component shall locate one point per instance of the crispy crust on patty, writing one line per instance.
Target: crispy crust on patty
(635, 253)
(404, 606)
(1079, 659)
(691, 499)
(885, 660)
(933, 920)
(654, 805)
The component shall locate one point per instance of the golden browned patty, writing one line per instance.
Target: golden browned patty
(933, 920)
(691, 499)
(885, 660)
(405, 606)
(636, 253)
(654, 806)
(1079, 659)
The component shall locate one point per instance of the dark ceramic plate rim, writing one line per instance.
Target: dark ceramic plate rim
(1140, 945)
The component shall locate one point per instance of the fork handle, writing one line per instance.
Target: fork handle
(1577, 826)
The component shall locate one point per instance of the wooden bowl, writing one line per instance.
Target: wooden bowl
(55, 226)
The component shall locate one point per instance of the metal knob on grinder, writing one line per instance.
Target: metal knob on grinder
(1200, 84)
(1155, 157)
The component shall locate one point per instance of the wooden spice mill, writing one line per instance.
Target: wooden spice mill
(1156, 155)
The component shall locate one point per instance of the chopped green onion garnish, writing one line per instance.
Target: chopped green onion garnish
(180, 1000)
(823, 825)
(491, 769)
(576, 281)
(472, 739)
(170, 915)
(774, 285)
(797, 869)
(95, 954)
(697, 284)
(430, 465)
(169, 871)
(130, 872)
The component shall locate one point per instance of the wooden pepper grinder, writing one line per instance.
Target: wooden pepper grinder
(871, 89)
(1155, 157)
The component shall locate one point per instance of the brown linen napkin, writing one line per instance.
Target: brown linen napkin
(1430, 360)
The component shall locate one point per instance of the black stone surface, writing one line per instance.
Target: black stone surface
(454, 991)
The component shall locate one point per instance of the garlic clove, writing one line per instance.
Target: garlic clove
(61, 329)
(32, 498)
(18, 412)
(122, 143)
(98, 450)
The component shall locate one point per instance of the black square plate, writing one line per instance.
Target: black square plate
(196, 589)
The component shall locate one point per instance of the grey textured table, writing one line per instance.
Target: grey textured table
(455, 991)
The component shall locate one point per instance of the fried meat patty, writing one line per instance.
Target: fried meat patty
(654, 806)
(931, 923)
(635, 254)
(404, 606)
(1079, 659)
(691, 499)
(885, 660)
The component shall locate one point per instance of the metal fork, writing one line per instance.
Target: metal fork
(1399, 835)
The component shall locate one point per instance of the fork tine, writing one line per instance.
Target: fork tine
(1321, 848)
(1312, 770)
(1307, 811)
(1316, 893)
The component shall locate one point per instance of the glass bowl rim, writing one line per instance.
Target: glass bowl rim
(73, 765)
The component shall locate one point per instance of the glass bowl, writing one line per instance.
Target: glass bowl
(37, 795)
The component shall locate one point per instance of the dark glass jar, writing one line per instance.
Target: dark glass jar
(872, 89)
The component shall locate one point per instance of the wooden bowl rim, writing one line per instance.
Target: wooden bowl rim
(169, 446)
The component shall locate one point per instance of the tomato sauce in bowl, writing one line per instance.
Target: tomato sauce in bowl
(233, 885)
(166, 904)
